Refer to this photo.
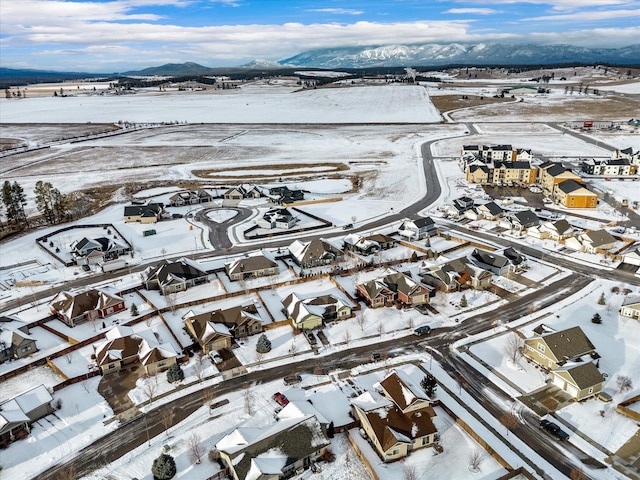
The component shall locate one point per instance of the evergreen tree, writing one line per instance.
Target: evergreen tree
(463, 301)
(602, 300)
(175, 373)
(134, 310)
(14, 201)
(50, 202)
(414, 257)
(263, 345)
(164, 467)
(429, 384)
(596, 318)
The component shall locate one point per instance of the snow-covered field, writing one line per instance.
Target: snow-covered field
(387, 162)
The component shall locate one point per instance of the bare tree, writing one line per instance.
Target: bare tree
(167, 420)
(380, 329)
(294, 347)
(347, 337)
(196, 450)
(577, 474)
(150, 388)
(170, 299)
(248, 399)
(513, 347)
(410, 322)
(409, 472)
(475, 459)
(509, 421)
(624, 383)
(69, 356)
(360, 320)
(208, 396)
(199, 365)
(67, 473)
(259, 358)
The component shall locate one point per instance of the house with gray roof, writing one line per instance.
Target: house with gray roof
(272, 451)
(251, 266)
(597, 241)
(418, 228)
(630, 307)
(18, 413)
(171, 277)
(16, 343)
(490, 261)
(314, 253)
(581, 380)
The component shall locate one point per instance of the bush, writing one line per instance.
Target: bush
(263, 345)
(175, 374)
(164, 467)
(596, 318)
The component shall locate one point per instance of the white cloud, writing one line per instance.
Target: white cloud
(473, 11)
(562, 5)
(337, 11)
(590, 15)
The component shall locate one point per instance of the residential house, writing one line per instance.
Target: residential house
(149, 213)
(312, 312)
(242, 191)
(273, 451)
(172, 277)
(188, 197)
(555, 349)
(252, 266)
(18, 413)
(284, 195)
(632, 257)
(209, 335)
(490, 211)
(551, 174)
(573, 194)
(398, 420)
(277, 218)
(418, 229)
(16, 343)
(375, 293)
(455, 275)
(581, 381)
(523, 220)
(517, 261)
(630, 308)
(124, 347)
(394, 287)
(361, 245)
(384, 241)
(628, 153)
(490, 261)
(240, 321)
(314, 253)
(555, 230)
(76, 307)
(597, 241)
(93, 250)
(491, 152)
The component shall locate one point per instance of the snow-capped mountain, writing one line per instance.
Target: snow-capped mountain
(457, 53)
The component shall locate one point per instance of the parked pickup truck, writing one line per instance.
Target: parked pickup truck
(554, 429)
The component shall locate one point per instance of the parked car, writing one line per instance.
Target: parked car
(554, 429)
(422, 309)
(280, 398)
(292, 379)
(348, 226)
(215, 357)
(423, 330)
(376, 357)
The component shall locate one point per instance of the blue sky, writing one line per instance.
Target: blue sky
(118, 35)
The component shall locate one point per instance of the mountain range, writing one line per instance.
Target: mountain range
(376, 56)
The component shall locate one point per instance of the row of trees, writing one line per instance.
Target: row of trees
(52, 205)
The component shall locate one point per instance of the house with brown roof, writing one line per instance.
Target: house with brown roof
(171, 277)
(314, 253)
(455, 275)
(581, 380)
(311, 312)
(251, 266)
(394, 287)
(76, 307)
(397, 420)
(553, 350)
(240, 321)
(209, 335)
(375, 293)
(124, 347)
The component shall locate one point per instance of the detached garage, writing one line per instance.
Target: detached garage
(580, 381)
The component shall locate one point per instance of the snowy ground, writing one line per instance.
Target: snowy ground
(385, 158)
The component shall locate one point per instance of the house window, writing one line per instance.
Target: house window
(541, 347)
(25, 349)
(161, 364)
(112, 366)
(425, 440)
(590, 390)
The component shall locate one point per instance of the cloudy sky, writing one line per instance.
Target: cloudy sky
(118, 35)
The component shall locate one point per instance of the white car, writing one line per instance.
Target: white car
(215, 357)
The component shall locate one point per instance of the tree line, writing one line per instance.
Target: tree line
(52, 205)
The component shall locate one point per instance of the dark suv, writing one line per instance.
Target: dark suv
(554, 429)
